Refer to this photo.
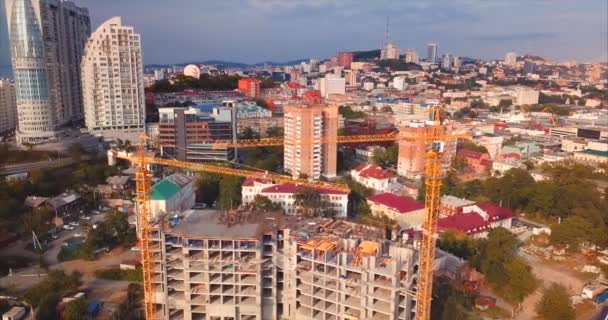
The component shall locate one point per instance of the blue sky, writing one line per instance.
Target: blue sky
(279, 30)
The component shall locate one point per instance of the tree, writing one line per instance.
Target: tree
(521, 281)
(275, 132)
(263, 203)
(75, 310)
(47, 308)
(230, 192)
(207, 188)
(56, 282)
(387, 109)
(385, 157)
(555, 304)
(469, 145)
(248, 133)
(309, 203)
(348, 113)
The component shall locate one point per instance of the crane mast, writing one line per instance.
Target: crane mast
(142, 187)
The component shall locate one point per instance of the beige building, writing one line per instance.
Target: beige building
(279, 267)
(307, 126)
(112, 81)
(47, 40)
(8, 106)
(412, 153)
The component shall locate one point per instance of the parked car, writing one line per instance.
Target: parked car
(74, 224)
(68, 227)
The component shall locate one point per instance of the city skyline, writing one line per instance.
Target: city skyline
(321, 28)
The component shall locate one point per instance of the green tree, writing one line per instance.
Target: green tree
(310, 203)
(458, 244)
(348, 113)
(555, 304)
(385, 157)
(230, 192)
(248, 133)
(275, 132)
(263, 203)
(207, 188)
(521, 281)
(75, 310)
(47, 308)
(56, 282)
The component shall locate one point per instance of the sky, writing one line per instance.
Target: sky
(253, 31)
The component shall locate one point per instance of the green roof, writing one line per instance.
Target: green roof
(164, 190)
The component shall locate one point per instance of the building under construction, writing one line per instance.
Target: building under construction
(243, 265)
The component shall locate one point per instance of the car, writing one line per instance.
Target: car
(85, 218)
(96, 212)
(74, 224)
(79, 234)
(135, 249)
(68, 227)
(55, 236)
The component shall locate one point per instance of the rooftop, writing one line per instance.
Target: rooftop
(374, 172)
(452, 201)
(169, 186)
(292, 188)
(469, 223)
(595, 152)
(397, 203)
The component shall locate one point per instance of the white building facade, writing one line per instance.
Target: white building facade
(112, 81)
(8, 106)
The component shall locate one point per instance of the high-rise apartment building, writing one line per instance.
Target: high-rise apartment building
(447, 61)
(332, 84)
(390, 51)
(456, 63)
(112, 82)
(188, 133)
(411, 56)
(271, 266)
(8, 106)
(345, 59)
(511, 59)
(432, 52)
(250, 86)
(412, 154)
(307, 126)
(47, 41)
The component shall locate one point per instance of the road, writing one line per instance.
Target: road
(27, 167)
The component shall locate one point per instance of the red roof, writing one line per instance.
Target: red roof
(469, 223)
(399, 204)
(249, 182)
(470, 154)
(495, 212)
(292, 188)
(373, 171)
(511, 155)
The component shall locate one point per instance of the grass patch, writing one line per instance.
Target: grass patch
(13, 262)
(74, 253)
(120, 275)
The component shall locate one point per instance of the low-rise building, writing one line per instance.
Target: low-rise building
(476, 161)
(450, 205)
(592, 156)
(373, 177)
(572, 144)
(477, 220)
(406, 211)
(285, 196)
(172, 194)
(500, 167)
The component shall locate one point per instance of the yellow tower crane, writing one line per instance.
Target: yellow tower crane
(436, 138)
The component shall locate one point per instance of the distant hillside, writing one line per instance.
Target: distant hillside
(366, 55)
(230, 64)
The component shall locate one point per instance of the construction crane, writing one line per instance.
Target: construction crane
(554, 121)
(433, 185)
(143, 179)
(433, 178)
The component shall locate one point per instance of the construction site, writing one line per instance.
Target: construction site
(246, 265)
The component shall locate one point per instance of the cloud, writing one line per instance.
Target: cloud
(524, 36)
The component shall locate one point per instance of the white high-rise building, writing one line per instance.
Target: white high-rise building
(390, 51)
(457, 63)
(112, 81)
(447, 61)
(332, 84)
(8, 106)
(431, 55)
(511, 59)
(47, 38)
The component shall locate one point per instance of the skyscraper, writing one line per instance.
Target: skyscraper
(47, 41)
(306, 126)
(456, 62)
(511, 59)
(411, 56)
(431, 53)
(447, 61)
(112, 82)
(8, 106)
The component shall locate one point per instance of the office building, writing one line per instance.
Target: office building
(306, 127)
(188, 133)
(411, 162)
(254, 266)
(400, 83)
(432, 52)
(332, 84)
(390, 51)
(523, 95)
(411, 56)
(345, 59)
(529, 67)
(112, 82)
(47, 41)
(8, 106)
(456, 63)
(251, 86)
(511, 59)
(447, 61)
